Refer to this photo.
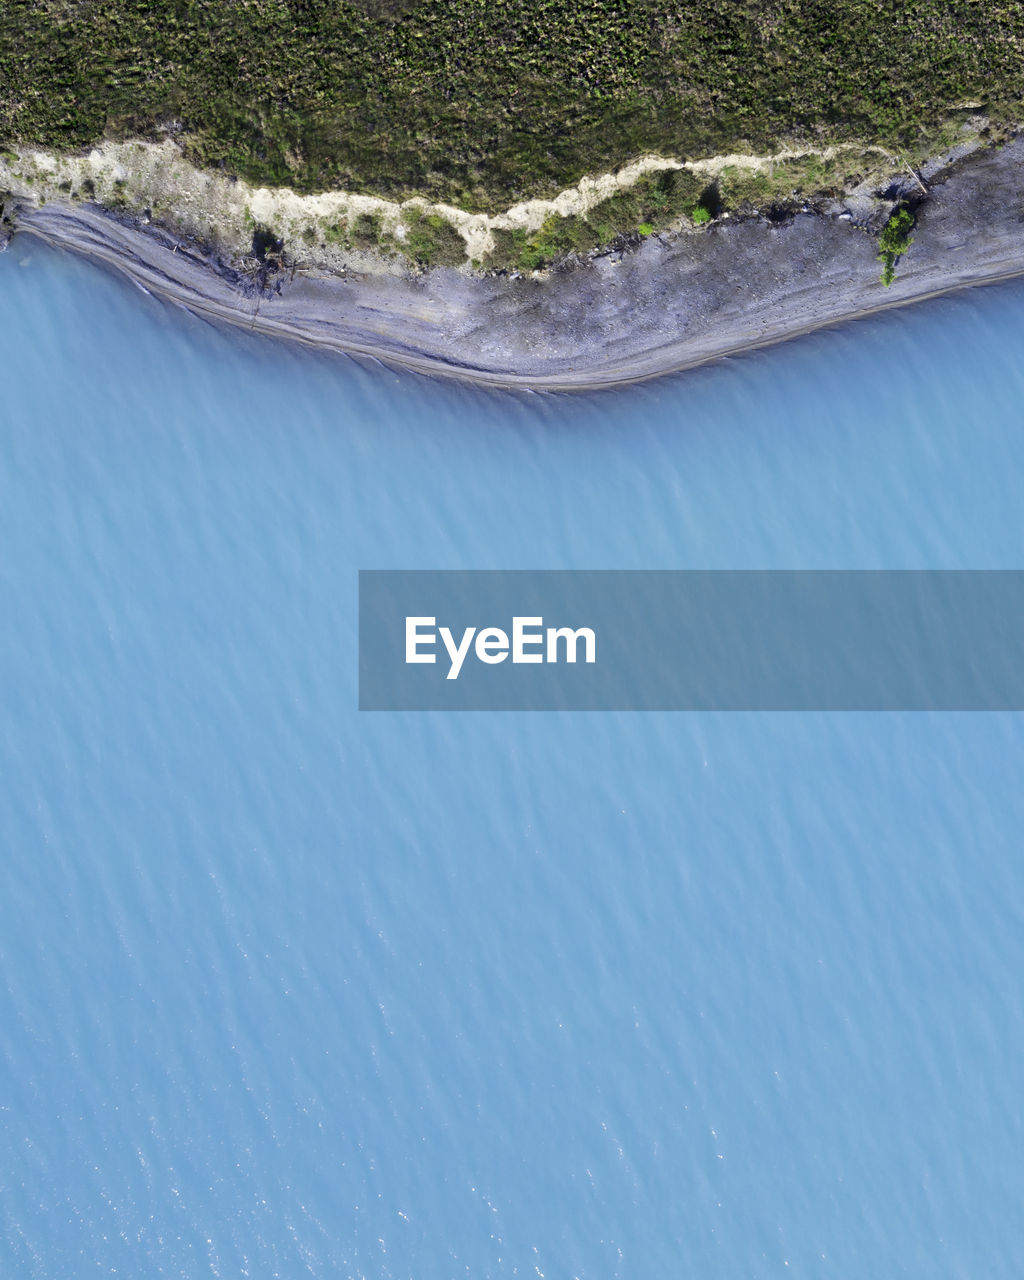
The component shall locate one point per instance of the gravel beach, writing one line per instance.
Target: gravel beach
(671, 304)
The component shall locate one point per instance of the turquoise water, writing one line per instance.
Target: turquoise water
(288, 990)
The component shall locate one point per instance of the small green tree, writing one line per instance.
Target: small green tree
(893, 243)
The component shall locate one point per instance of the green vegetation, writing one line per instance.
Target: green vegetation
(367, 231)
(482, 102)
(364, 232)
(894, 241)
(655, 200)
(739, 187)
(432, 241)
(525, 251)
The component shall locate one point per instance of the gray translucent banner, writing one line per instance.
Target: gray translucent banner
(691, 641)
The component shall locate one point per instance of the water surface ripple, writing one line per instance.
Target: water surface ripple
(287, 990)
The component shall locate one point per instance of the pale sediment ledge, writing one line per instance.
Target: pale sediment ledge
(671, 304)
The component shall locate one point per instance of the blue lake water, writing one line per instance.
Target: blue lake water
(287, 990)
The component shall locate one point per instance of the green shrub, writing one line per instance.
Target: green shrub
(655, 200)
(737, 186)
(543, 246)
(574, 235)
(432, 240)
(366, 231)
(893, 243)
(673, 193)
(617, 214)
(700, 213)
(519, 250)
(508, 247)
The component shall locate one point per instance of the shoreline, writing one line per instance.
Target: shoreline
(672, 304)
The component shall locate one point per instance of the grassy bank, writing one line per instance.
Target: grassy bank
(482, 102)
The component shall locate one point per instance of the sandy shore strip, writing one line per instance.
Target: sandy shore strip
(669, 305)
